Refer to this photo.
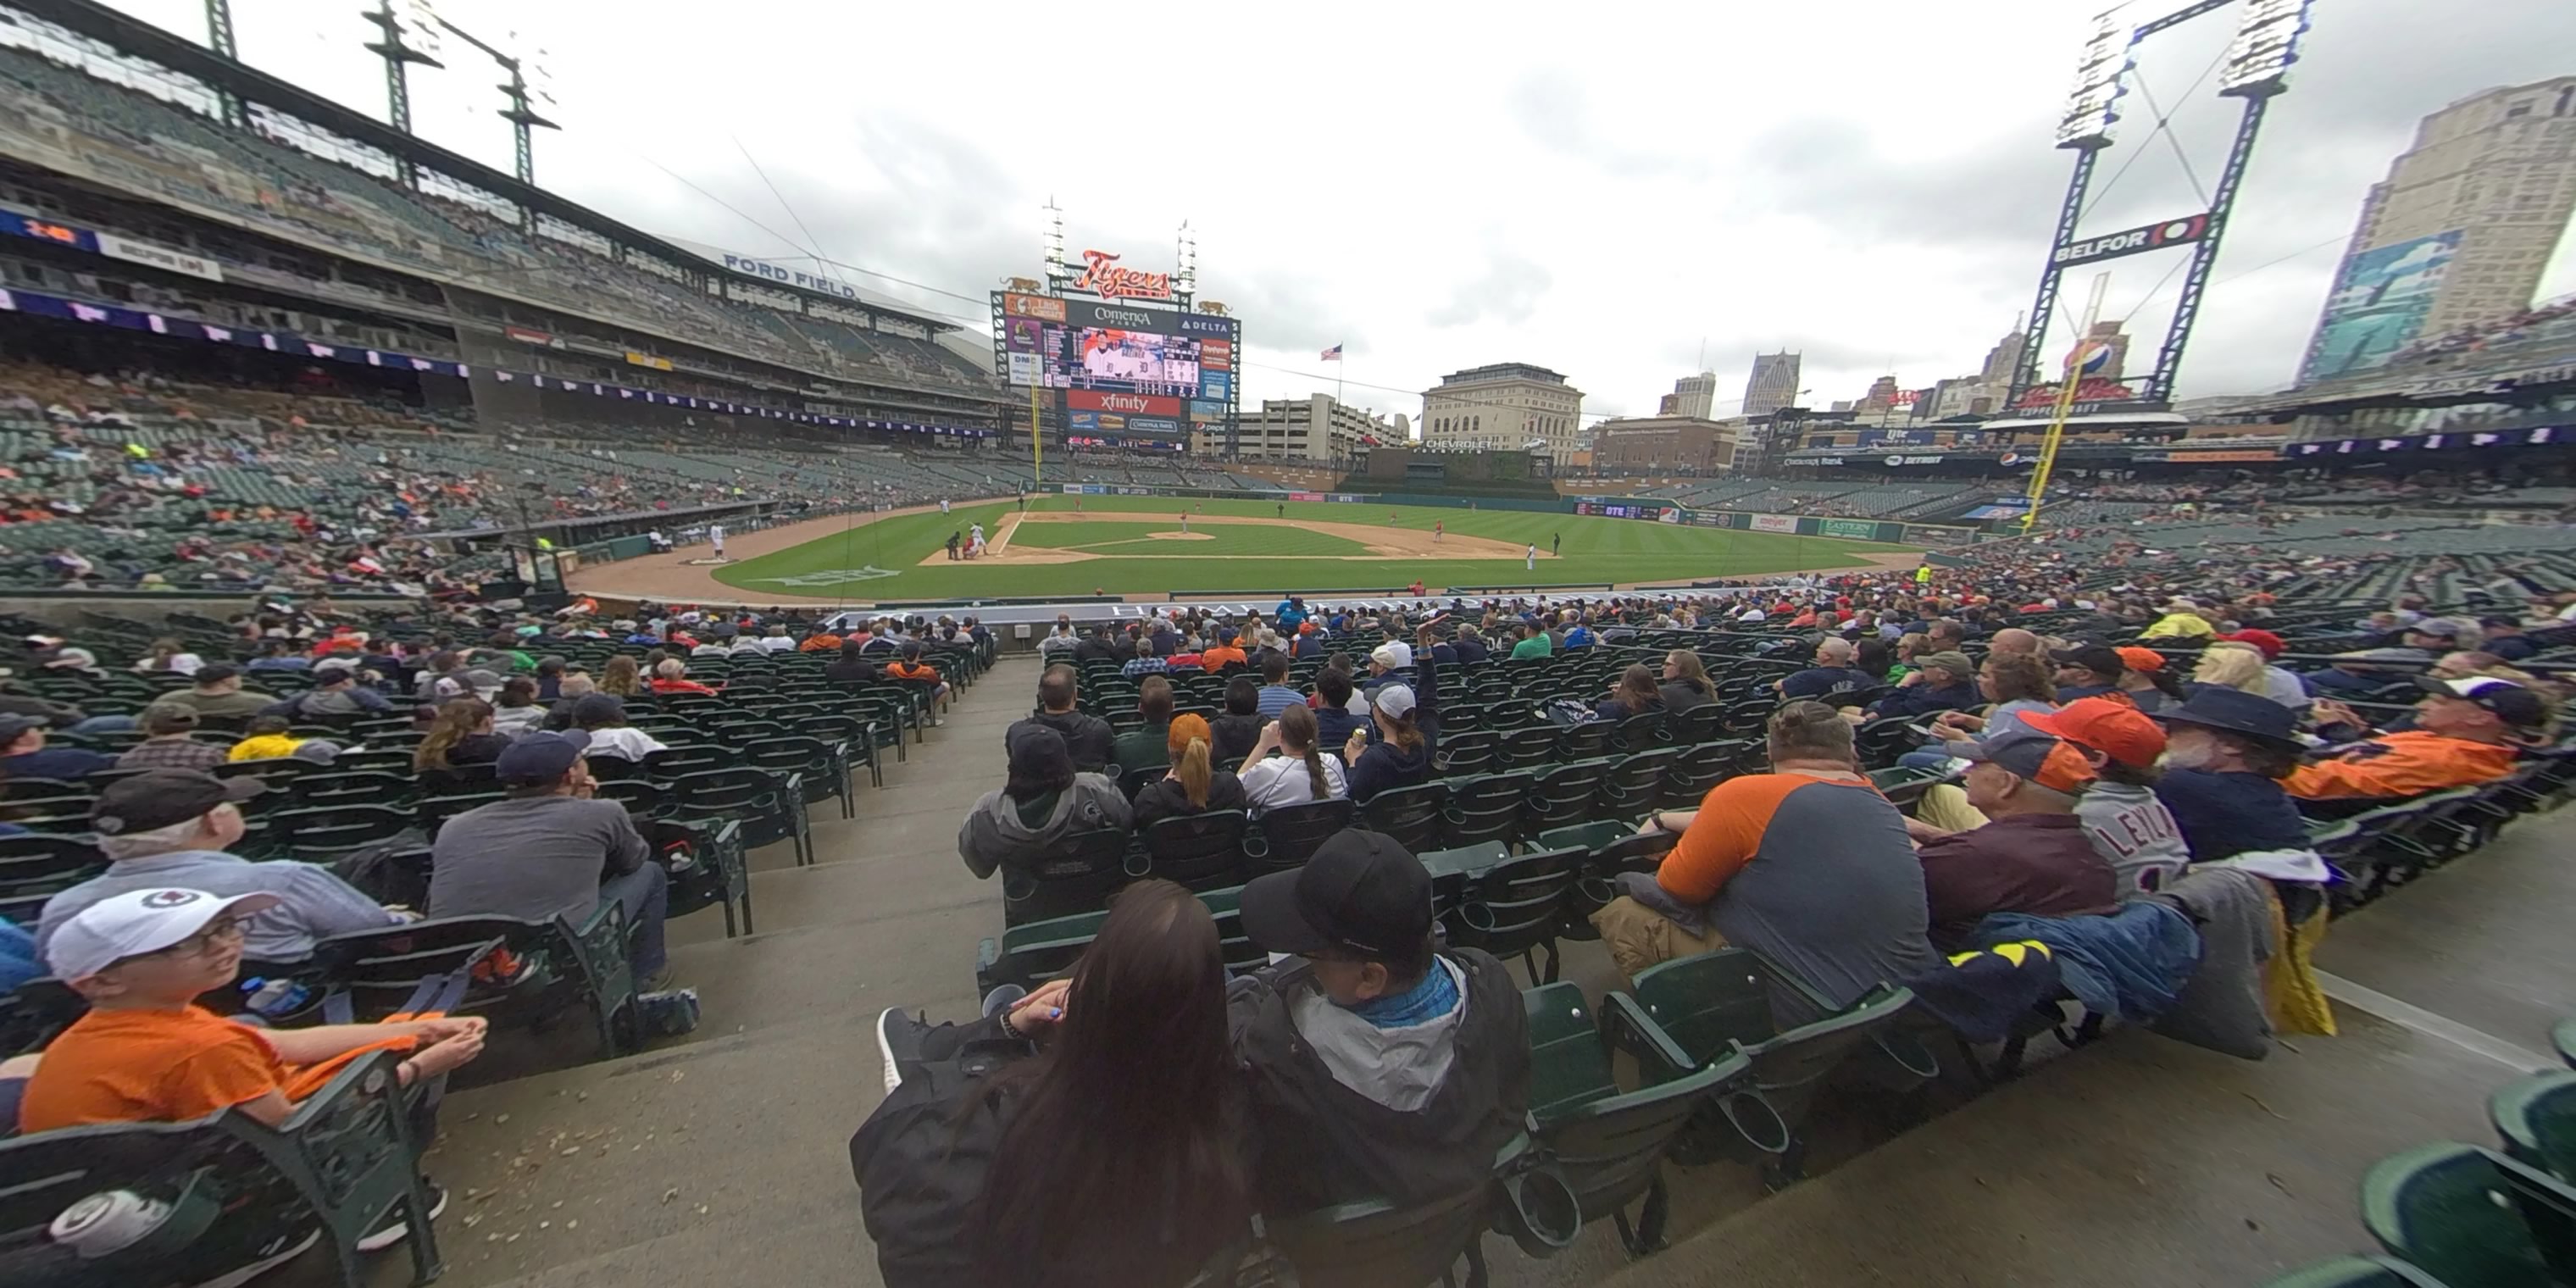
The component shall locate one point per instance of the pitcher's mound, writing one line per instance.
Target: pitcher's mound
(1182, 536)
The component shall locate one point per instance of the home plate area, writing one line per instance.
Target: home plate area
(1063, 537)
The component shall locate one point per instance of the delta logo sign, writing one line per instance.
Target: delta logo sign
(1101, 276)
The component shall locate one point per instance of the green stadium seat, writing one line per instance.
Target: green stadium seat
(2448, 1208)
(2536, 1117)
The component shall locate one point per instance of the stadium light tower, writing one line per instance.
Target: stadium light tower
(2254, 69)
(529, 79)
(409, 35)
(219, 38)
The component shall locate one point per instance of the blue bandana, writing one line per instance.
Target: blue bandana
(1435, 996)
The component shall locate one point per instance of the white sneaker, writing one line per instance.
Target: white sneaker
(293, 1246)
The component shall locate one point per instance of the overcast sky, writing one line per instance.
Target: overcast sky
(1611, 191)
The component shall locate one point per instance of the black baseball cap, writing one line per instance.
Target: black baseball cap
(2100, 659)
(2511, 703)
(1361, 892)
(158, 798)
(540, 757)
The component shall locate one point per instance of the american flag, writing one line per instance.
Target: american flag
(1333, 354)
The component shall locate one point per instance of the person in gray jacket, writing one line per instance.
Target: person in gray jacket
(1042, 802)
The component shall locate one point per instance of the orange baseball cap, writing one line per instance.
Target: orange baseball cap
(1305, 628)
(2141, 659)
(2116, 729)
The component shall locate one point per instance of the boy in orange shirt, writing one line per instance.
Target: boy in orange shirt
(146, 1052)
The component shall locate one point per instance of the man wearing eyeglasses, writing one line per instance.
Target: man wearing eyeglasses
(175, 828)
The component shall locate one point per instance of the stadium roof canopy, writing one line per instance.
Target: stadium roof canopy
(144, 40)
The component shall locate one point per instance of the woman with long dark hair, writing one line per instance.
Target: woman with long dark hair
(1085, 1136)
(1634, 695)
(1299, 773)
(621, 677)
(1193, 785)
(1686, 683)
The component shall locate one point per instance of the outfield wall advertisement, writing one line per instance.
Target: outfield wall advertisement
(1612, 507)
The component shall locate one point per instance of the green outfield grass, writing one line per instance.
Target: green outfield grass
(883, 560)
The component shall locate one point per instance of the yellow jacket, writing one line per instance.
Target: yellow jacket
(267, 746)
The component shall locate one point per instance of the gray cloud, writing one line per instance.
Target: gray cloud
(1507, 291)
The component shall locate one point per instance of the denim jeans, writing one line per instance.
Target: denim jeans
(646, 895)
(103, 724)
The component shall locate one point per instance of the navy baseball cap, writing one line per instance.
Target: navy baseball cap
(540, 757)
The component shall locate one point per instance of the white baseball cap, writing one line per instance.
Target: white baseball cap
(1394, 699)
(1394, 655)
(137, 922)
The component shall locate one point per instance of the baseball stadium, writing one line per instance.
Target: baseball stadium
(539, 752)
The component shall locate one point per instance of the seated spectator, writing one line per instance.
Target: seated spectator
(1193, 785)
(1333, 704)
(1833, 673)
(1534, 643)
(2182, 620)
(169, 743)
(672, 676)
(622, 678)
(1299, 773)
(23, 753)
(2225, 756)
(774, 640)
(465, 732)
(575, 686)
(1309, 641)
(1095, 647)
(216, 692)
(2131, 829)
(1144, 745)
(1380, 1066)
(1224, 653)
(473, 683)
(267, 738)
(1146, 661)
(1806, 865)
(549, 850)
(146, 1052)
(2230, 665)
(1686, 683)
(2091, 671)
(517, 711)
(277, 655)
(852, 664)
(1941, 682)
(2013, 639)
(1043, 801)
(910, 668)
(1087, 738)
(2466, 732)
(2031, 855)
(824, 641)
(2506, 639)
(336, 694)
(175, 827)
(2417, 646)
(1397, 756)
(1634, 695)
(57, 715)
(168, 654)
(1238, 726)
(2280, 684)
(549, 678)
(2145, 681)
(2017, 684)
(1090, 1133)
(603, 717)
(1276, 694)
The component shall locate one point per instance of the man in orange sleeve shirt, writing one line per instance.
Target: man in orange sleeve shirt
(2467, 731)
(146, 1052)
(1808, 866)
(1224, 652)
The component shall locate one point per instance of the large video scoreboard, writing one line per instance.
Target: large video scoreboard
(1126, 370)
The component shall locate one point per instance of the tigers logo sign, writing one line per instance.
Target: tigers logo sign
(1102, 277)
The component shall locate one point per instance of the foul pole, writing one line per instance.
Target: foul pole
(1037, 442)
(2066, 387)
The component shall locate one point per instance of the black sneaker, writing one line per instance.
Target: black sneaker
(898, 1041)
(393, 1229)
(284, 1249)
(670, 1013)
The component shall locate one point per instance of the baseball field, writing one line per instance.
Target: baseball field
(1151, 545)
